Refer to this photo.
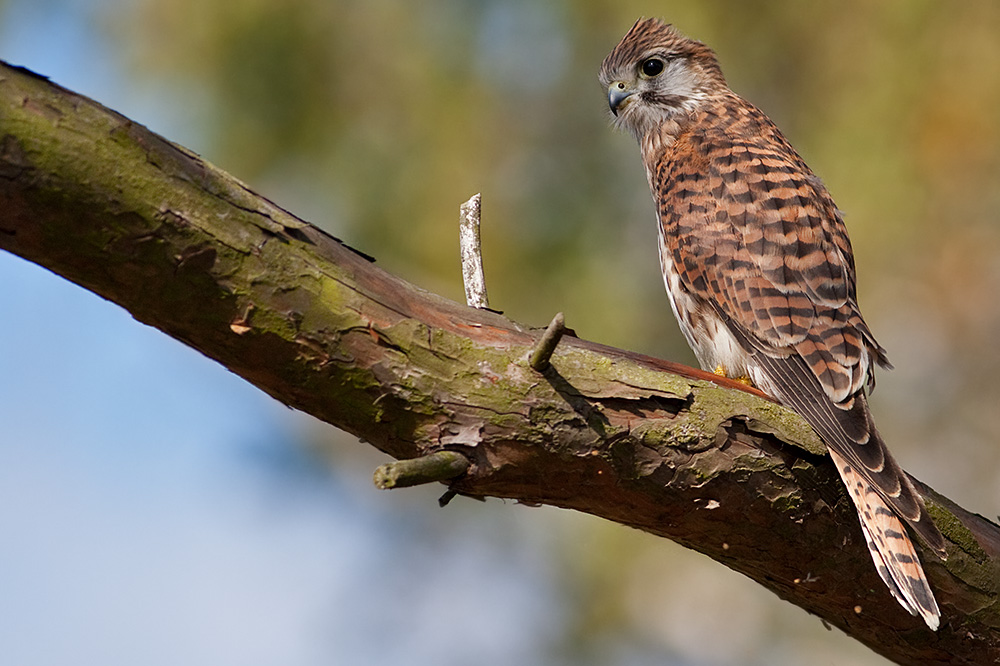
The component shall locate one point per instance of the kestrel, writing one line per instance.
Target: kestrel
(760, 275)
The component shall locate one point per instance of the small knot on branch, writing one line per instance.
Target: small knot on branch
(547, 344)
(440, 466)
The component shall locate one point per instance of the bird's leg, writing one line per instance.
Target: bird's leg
(719, 370)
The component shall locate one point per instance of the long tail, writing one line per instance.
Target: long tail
(890, 547)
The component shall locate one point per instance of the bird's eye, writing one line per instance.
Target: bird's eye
(651, 67)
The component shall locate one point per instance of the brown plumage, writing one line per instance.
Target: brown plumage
(760, 274)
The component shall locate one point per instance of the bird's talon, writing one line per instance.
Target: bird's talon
(745, 380)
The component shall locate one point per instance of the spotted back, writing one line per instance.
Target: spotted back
(752, 230)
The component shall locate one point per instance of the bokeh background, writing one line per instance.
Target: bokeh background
(155, 509)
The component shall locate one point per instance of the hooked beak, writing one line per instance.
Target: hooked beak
(618, 92)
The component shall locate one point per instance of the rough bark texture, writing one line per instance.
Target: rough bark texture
(188, 249)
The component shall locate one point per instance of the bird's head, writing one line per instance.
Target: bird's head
(656, 74)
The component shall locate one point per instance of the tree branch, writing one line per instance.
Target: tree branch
(670, 450)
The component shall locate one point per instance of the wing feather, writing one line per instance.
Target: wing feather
(756, 236)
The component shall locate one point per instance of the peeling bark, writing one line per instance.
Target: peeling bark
(184, 247)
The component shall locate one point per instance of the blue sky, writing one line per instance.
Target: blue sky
(155, 509)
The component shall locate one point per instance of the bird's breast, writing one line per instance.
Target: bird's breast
(706, 333)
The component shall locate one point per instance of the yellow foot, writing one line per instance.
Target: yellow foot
(719, 370)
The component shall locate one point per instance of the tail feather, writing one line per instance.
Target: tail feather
(891, 549)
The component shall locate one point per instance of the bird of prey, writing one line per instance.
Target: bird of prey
(760, 275)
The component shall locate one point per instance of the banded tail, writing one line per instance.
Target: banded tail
(890, 547)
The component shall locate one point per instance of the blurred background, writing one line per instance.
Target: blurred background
(155, 509)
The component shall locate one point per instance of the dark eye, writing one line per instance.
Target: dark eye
(651, 67)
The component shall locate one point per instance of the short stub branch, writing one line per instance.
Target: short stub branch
(439, 466)
(542, 352)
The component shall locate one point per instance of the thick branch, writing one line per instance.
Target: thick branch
(186, 248)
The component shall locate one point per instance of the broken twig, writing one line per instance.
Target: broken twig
(472, 254)
(439, 466)
(542, 352)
